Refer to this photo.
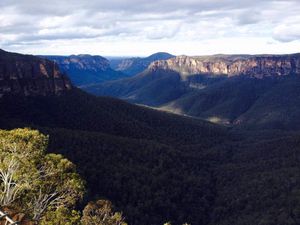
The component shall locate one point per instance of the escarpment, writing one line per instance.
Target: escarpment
(258, 66)
(28, 75)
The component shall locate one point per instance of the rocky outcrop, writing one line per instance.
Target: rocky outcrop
(28, 75)
(232, 65)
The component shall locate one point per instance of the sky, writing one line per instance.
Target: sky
(143, 27)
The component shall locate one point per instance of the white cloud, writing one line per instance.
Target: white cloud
(140, 27)
(287, 32)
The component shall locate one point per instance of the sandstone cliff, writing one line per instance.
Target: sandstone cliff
(255, 66)
(28, 75)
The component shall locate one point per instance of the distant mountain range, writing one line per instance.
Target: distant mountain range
(86, 69)
(221, 88)
(135, 65)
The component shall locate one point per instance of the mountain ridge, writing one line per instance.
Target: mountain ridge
(257, 66)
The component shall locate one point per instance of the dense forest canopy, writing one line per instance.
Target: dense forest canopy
(210, 176)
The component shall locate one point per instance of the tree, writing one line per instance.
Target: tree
(101, 213)
(58, 185)
(61, 216)
(38, 183)
(15, 175)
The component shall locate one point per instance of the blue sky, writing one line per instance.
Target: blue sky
(142, 27)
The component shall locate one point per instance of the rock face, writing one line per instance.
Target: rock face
(28, 75)
(86, 69)
(254, 66)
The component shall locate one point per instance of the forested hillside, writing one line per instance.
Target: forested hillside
(127, 154)
(170, 174)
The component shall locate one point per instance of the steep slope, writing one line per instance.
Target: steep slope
(249, 103)
(153, 88)
(28, 75)
(278, 107)
(133, 66)
(222, 102)
(78, 110)
(86, 69)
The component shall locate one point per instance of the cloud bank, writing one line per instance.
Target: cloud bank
(139, 27)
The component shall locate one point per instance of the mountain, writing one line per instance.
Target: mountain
(217, 88)
(27, 75)
(194, 72)
(156, 166)
(133, 66)
(86, 69)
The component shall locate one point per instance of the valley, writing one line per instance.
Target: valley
(220, 88)
(156, 166)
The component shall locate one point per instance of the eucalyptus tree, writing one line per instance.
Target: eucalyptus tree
(42, 185)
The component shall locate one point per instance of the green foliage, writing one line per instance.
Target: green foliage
(21, 150)
(168, 223)
(61, 216)
(63, 178)
(29, 143)
(38, 183)
(101, 213)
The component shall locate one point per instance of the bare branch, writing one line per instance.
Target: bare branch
(42, 201)
(9, 188)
